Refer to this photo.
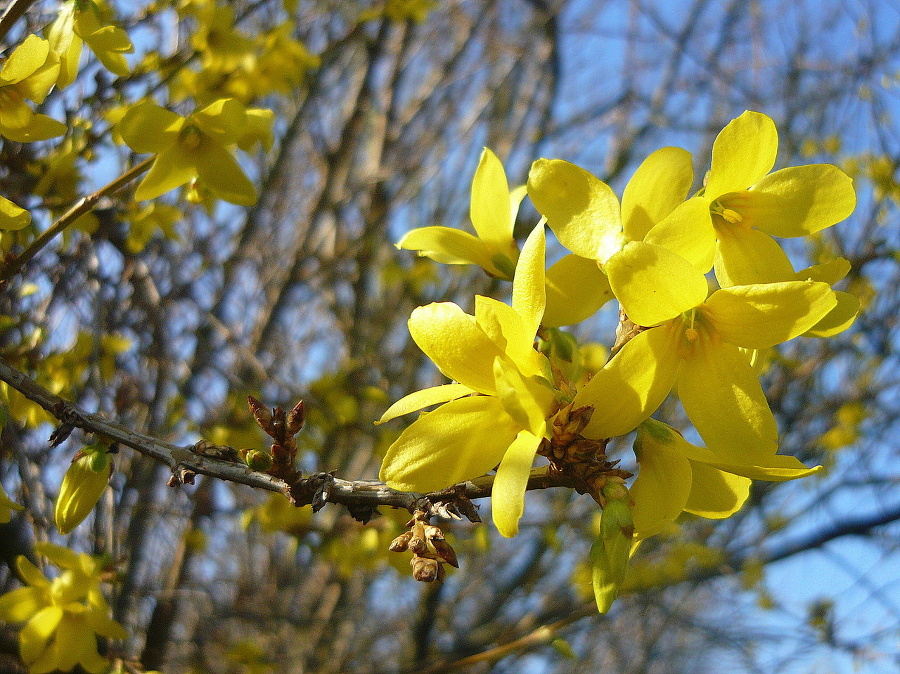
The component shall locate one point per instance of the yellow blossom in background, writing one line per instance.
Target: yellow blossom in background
(62, 616)
(7, 505)
(196, 147)
(85, 22)
(29, 73)
(491, 354)
(220, 45)
(11, 216)
(493, 210)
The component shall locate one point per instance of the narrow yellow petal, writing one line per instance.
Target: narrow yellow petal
(838, 319)
(460, 349)
(743, 152)
(171, 169)
(424, 398)
(529, 292)
(715, 494)
(724, 400)
(745, 256)
(448, 246)
(581, 210)
(489, 206)
(828, 272)
(506, 329)
(660, 184)
(763, 315)
(25, 59)
(459, 441)
(653, 284)
(148, 128)
(576, 289)
(632, 385)
(796, 201)
(12, 217)
(222, 175)
(19, 605)
(525, 399)
(508, 492)
(661, 489)
(37, 632)
(688, 231)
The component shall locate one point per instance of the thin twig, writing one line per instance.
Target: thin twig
(14, 11)
(83, 206)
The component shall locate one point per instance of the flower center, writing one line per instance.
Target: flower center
(190, 137)
(726, 214)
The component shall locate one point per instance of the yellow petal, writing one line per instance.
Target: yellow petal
(448, 246)
(459, 441)
(81, 489)
(661, 489)
(658, 186)
(105, 626)
(525, 399)
(508, 492)
(40, 127)
(726, 404)
(11, 216)
(653, 284)
(743, 152)
(745, 256)
(576, 289)
(838, 319)
(25, 59)
(490, 205)
(715, 494)
(221, 174)
(632, 385)
(529, 293)
(148, 128)
(34, 636)
(763, 315)
(460, 349)
(828, 272)
(21, 604)
(30, 573)
(796, 201)
(503, 325)
(224, 119)
(424, 398)
(581, 210)
(171, 169)
(688, 231)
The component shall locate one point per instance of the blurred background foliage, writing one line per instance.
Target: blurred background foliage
(165, 315)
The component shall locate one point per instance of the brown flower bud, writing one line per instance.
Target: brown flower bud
(445, 551)
(296, 418)
(261, 413)
(401, 543)
(425, 569)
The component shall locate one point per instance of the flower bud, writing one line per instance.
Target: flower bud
(257, 460)
(81, 488)
(401, 543)
(425, 569)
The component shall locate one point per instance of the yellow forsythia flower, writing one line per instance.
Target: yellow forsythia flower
(29, 73)
(62, 616)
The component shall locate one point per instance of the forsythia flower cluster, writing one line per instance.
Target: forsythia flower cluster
(702, 286)
(62, 616)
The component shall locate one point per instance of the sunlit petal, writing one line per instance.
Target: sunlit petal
(529, 293)
(581, 210)
(632, 385)
(489, 206)
(688, 231)
(653, 284)
(661, 489)
(716, 494)
(743, 152)
(838, 319)
(460, 440)
(447, 245)
(660, 184)
(424, 398)
(576, 289)
(745, 256)
(724, 400)
(456, 344)
(508, 492)
(796, 201)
